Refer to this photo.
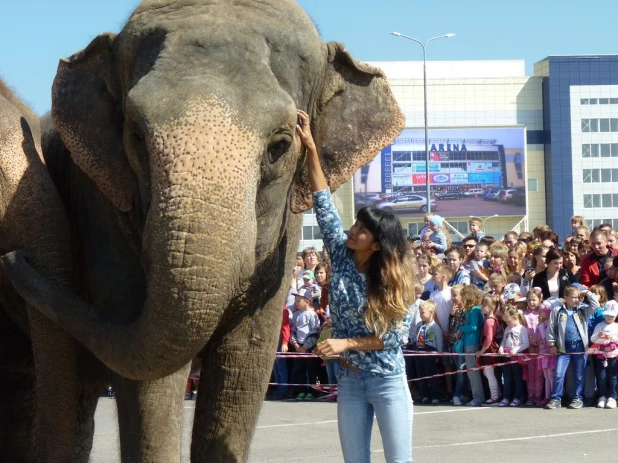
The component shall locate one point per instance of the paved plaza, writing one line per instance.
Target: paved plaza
(307, 432)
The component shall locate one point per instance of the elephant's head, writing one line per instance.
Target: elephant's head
(186, 119)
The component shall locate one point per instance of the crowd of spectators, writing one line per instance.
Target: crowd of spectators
(526, 293)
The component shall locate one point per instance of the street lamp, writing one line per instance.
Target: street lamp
(424, 45)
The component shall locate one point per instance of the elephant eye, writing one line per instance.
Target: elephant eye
(278, 146)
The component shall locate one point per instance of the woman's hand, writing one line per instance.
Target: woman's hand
(304, 131)
(331, 347)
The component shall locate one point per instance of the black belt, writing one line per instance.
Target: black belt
(571, 343)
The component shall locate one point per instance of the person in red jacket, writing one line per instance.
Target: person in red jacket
(592, 271)
(281, 367)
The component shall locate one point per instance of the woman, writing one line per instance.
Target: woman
(515, 261)
(469, 246)
(370, 294)
(321, 278)
(537, 264)
(554, 279)
(571, 263)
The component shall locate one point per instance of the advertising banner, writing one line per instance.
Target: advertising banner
(486, 166)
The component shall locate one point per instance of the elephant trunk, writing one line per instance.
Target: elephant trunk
(198, 249)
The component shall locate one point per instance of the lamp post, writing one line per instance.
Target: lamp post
(424, 45)
(486, 218)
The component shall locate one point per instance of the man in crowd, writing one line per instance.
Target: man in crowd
(592, 271)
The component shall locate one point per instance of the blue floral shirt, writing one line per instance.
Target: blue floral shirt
(347, 296)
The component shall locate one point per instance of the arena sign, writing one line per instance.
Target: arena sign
(472, 171)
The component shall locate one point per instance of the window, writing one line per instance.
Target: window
(604, 124)
(317, 234)
(414, 228)
(593, 101)
(603, 100)
(606, 200)
(308, 211)
(533, 185)
(614, 150)
(615, 175)
(605, 150)
(606, 175)
(595, 175)
(591, 201)
(584, 101)
(613, 101)
(586, 125)
(586, 150)
(613, 125)
(587, 176)
(307, 232)
(594, 151)
(461, 227)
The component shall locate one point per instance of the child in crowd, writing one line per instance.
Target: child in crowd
(498, 256)
(332, 365)
(416, 318)
(479, 271)
(593, 320)
(442, 296)
(489, 306)
(304, 326)
(425, 231)
(437, 238)
(546, 363)
(475, 225)
(568, 333)
(531, 321)
(471, 300)
(454, 257)
(576, 222)
(605, 342)
(497, 283)
(456, 320)
(516, 278)
(429, 339)
(425, 264)
(512, 293)
(515, 342)
(310, 284)
(281, 367)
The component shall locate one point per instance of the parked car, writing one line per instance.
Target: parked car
(449, 195)
(519, 197)
(474, 192)
(506, 195)
(407, 202)
(492, 195)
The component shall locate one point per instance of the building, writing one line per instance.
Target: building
(580, 98)
(462, 95)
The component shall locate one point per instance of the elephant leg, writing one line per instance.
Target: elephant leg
(150, 417)
(231, 391)
(57, 390)
(17, 393)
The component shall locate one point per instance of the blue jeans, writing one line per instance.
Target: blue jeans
(579, 370)
(460, 378)
(606, 377)
(361, 395)
(281, 372)
(332, 370)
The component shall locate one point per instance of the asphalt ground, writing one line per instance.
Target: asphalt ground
(307, 433)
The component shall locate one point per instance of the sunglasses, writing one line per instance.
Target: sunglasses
(469, 245)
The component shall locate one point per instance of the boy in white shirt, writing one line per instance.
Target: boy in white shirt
(442, 296)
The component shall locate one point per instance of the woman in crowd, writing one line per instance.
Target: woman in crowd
(554, 279)
(515, 261)
(370, 319)
(469, 246)
(571, 263)
(321, 278)
(537, 264)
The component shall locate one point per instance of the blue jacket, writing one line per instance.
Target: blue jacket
(474, 326)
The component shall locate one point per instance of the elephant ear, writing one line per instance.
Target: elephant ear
(87, 113)
(357, 117)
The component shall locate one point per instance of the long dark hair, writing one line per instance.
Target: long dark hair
(390, 277)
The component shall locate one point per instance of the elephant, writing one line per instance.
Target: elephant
(39, 392)
(173, 147)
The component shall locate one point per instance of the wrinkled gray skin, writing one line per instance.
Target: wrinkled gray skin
(38, 418)
(183, 185)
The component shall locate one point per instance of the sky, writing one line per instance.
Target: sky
(35, 34)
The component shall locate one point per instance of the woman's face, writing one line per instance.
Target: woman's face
(423, 267)
(361, 239)
(453, 260)
(320, 275)
(311, 260)
(612, 243)
(540, 258)
(555, 265)
(514, 261)
(548, 243)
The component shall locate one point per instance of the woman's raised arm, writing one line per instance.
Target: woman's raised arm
(317, 179)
